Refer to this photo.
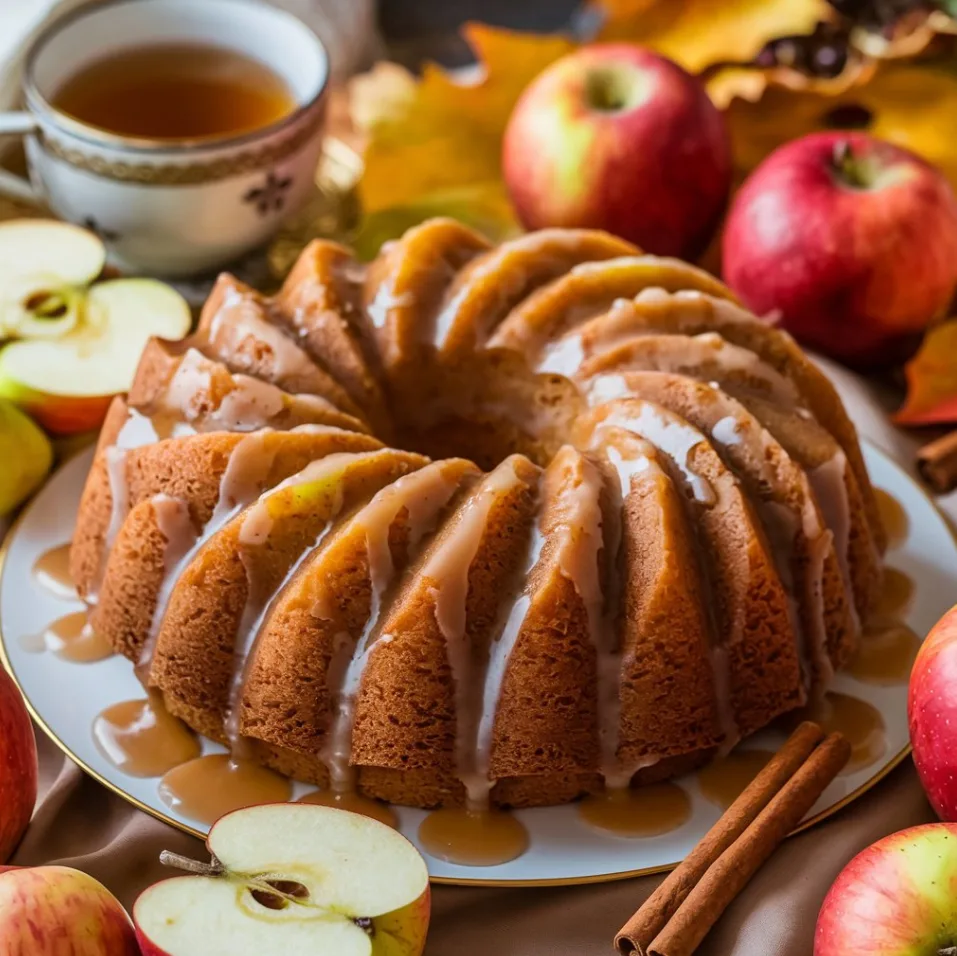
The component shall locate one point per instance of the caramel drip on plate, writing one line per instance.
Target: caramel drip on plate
(52, 572)
(894, 517)
(897, 593)
(860, 722)
(473, 837)
(886, 653)
(354, 803)
(141, 738)
(643, 812)
(72, 638)
(723, 780)
(206, 788)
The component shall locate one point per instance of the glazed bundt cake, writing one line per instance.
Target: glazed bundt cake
(475, 524)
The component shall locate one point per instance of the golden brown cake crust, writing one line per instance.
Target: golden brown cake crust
(646, 530)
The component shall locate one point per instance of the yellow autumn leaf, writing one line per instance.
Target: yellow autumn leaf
(446, 132)
(932, 380)
(700, 33)
(909, 104)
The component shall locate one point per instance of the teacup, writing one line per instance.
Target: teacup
(164, 207)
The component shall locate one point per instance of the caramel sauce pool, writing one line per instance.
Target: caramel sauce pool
(897, 593)
(141, 738)
(886, 653)
(723, 780)
(473, 837)
(640, 812)
(895, 519)
(72, 638)
(355, 803)
(207, 787)
(860, 722)
(52, 572)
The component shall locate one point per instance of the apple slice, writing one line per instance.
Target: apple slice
(295, 879)
(44, 267)
(66, 383)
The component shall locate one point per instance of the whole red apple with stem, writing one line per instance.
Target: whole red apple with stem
(896, 898)
(18, 766)
(851, 240)
(616, 137)
(932, 715)
(59, 911)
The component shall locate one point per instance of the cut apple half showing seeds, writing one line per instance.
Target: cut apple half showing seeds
(44, 267)
(98, 356)
(292, 879)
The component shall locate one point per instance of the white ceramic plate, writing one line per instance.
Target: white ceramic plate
(65, 697)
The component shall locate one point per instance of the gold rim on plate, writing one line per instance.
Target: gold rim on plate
(892, 764)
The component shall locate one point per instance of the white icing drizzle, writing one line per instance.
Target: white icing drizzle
(246, 470)
(475, 774)
(828, 482)
(563, 357)
(240, 316)
(448, 567)
(384, 301)
(673, 436)
(422, 494)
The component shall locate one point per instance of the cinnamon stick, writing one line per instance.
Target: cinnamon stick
(644, 926)
(725, 879)
(937, 463)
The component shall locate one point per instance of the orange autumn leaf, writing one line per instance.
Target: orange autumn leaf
(932, 380)
(700, 33)
(443, 133)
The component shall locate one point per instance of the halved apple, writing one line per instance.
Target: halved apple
(295, 879)
(67, 382)
(45, 266)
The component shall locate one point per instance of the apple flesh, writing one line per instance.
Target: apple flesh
(896, 898)
(295, 879)
(67, 383)
(932, 715)
(851, 240)
(44, 267)
(59, 911)
(18, 769)
(616, 137)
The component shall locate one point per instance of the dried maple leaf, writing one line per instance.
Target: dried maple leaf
(909, 104)
(700, 33)
(932, 380)
(442, 134)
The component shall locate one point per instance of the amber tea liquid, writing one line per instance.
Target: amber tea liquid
(176, 92)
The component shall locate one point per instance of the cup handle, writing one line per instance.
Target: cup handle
(17, 187)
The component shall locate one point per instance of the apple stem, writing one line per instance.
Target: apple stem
(213, 868)
(854, 171)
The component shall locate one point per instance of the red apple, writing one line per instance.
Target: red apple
(18, 766)
(851, 240)
(932, 715)
(896, 898)
(292, 878)
(618, 138)
(58, 911)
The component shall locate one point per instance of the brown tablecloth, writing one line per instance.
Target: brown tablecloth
(77, 823)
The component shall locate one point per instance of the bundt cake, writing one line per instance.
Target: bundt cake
(473, 524)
